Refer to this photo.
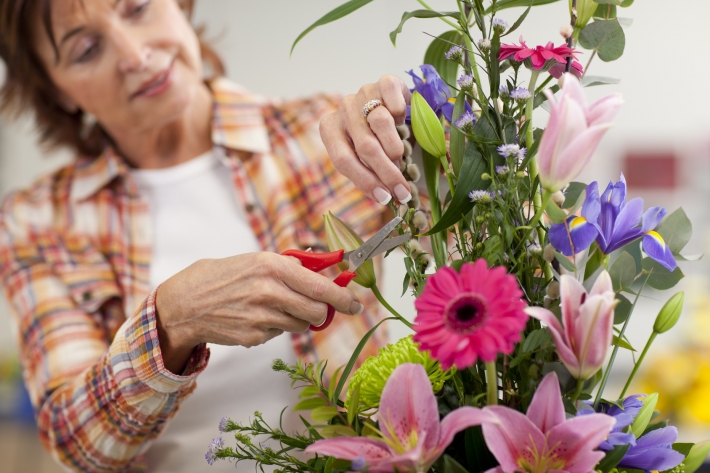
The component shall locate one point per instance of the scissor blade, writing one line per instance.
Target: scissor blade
(391, 243)
(357, 257)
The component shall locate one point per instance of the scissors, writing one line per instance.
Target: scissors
(377, 244)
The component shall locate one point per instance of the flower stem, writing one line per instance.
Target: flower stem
(448, 22)
(539, 210)
(529, 117)
(605, 377)
(638, 363)
(382, 300)
(445, 164)
(577, 390)
(491, 383)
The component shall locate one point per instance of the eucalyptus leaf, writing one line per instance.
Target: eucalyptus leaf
(573, 193)
(503, 4)
(676, 230)
(660, 278)
(626, 4)
(565, 262)
(623, 272)
(606, 37)
(591, 81)
(626, 22)
(556, 214)
(420, 14)
(337, 13)
(609, 2)
(474, 165)
(622, 311)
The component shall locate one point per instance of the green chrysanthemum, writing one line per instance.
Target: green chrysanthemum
(376, 370)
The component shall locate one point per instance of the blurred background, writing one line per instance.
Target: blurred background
(661, 142)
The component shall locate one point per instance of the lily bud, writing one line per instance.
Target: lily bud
(341, 237)
(426, 127)
(644, 416)
(669, 314)
(585, 11)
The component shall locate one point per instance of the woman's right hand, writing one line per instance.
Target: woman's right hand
(242, 300)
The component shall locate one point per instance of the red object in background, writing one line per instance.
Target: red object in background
(651, 170)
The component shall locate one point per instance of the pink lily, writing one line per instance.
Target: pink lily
(572, 134)
(585, 334)
(412, 435)
(544, 440)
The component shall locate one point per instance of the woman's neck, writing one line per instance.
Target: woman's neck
(179, 141)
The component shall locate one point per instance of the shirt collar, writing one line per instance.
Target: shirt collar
(237, 123)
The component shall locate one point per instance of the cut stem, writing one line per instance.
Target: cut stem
(491, 383)
(382, 301)
(638, 363)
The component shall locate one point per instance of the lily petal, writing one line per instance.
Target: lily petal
(577, 439)
(348, 448)
(546, 409)
(512, 437)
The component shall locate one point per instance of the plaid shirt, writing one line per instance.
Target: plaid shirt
(75, 252)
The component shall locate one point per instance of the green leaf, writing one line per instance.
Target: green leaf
(309, 391)
(556, 214)
(426, 127)
(676, 230)
(626, 4)
(542, 98)
(697, 456)
(308, 404)
(616, 341)
(536, 339)
(606, 36)
(335, 14)
(573, 193)
(608, 2)
(622, 310)
(353, 359)
(519, 21)
(644, 416)
(448, 70)
(503, 4)
(420, 14)
(680, 447)
(612, 458)
(623, 272)
(591, 81)
(324, 413)
(330, 431)
(660, 277)
(494, 66)
(457, 139)
(452, 466)
(565, 262)
(353, 404)
(473, 167)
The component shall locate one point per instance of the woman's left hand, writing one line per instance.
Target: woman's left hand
(367, 150)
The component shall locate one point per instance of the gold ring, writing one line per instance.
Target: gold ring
(369, 106)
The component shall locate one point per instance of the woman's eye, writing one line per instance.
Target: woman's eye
(87, 53)
(138, 10)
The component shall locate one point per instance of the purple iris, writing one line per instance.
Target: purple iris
(435, 92)
(652, 451)
(613, 223)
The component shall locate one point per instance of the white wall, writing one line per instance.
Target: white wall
(663, 74)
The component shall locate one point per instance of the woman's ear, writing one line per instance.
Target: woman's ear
(67, 104)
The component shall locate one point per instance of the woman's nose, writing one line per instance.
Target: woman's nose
(133, 53)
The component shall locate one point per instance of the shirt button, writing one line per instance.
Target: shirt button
(250, 207)
(86, 296)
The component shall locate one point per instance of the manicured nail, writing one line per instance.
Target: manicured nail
(356, 308)
(382, 196)
(402, 194)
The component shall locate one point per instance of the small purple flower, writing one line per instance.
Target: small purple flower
(512, 151)
(466, 122)
(503, 91)
(465, 82)
(500, 26)
(502, 170)
(454, 54)
(484, 45)
(358, 464)
(223, 424)
(520, 95)
(215, 446)
(480, 197)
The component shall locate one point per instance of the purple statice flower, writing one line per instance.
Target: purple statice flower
(215, 446)
(358, 464)
(465, 122)
(435, 91)
(654, 451)
(465, 83)
(223, 424)
(613, 223)
(454, 54)
(480, 197)
(520, 95)
(503, 91)
(512, 151)
(499, 25)
(502, 170)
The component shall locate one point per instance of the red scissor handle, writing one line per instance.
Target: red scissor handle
(317, 262)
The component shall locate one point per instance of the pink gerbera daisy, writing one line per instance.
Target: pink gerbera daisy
(476, 313)
(539, 57)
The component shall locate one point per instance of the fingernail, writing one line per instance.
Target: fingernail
(402, 194)
(356, 308)
(382, 196)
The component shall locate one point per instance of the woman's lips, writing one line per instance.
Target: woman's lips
(156, 85)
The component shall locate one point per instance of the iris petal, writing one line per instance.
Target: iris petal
(581, 234)
(656, 249)
(651, 218)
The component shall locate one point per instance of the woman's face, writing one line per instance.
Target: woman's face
(133, 64)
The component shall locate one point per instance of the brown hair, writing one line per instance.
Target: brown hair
(27, 86)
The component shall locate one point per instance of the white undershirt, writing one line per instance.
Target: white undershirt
(195, 215)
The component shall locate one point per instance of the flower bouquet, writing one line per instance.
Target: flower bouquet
(525, 288)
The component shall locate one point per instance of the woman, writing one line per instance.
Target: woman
(163, 235)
